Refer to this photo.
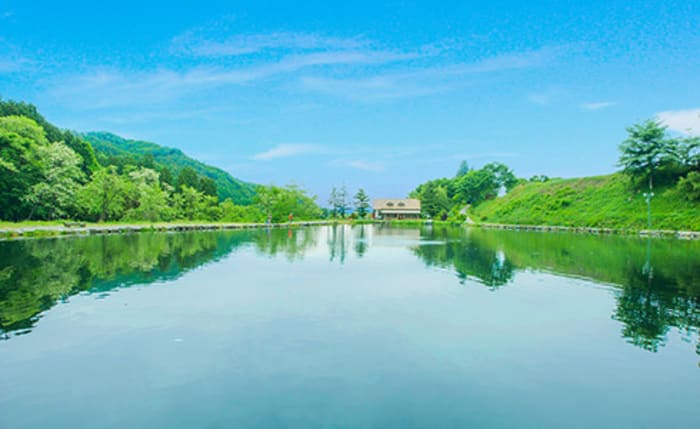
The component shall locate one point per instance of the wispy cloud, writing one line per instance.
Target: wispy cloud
(358, 164)
(682, 121)
(598, 105)
(422, 81)
(199, 43)
(286, 150)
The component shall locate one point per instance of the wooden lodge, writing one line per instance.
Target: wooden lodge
(396, 208)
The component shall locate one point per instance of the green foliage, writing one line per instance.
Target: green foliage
(20, 139)
(53, 197)
(361, 203)
(279, 203)
(443, 197)
(115, 150)
(104, 197)
(646, 150)
(604, 202)
(338, 202)
(53, 134)
(463, 169)
(690, 186)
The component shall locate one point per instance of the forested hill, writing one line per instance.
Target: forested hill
(110, 149)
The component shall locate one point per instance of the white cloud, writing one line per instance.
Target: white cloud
(197, 43)
(683, 121)
(417, 82)
(598, 105)
(286, 150)
(376, 167)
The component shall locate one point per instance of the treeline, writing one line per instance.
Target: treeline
(651, 156)
(48, 174)
(446, 198)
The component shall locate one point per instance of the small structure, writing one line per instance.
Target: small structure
(396, 208)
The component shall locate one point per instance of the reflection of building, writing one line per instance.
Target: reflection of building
(406, 208)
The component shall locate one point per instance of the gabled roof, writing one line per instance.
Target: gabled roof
(396, 204)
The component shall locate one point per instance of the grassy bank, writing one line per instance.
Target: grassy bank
(602, 202)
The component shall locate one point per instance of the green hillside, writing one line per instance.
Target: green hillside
(108, 144)
(603, 201)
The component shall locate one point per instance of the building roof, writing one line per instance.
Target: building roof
(396, 204)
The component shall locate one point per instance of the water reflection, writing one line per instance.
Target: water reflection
(655, 282)
(657, 285)
(36, 274)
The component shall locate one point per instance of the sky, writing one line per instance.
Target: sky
(378, 95)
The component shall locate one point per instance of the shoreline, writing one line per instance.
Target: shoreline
(38, 231)
(97, 229)
(667, 233)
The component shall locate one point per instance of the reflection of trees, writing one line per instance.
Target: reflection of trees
(337, 242)
(360, 240)
(468, 257)
(35, 274)
(290, 242)
(651, 298)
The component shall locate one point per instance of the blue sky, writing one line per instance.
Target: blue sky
(367, 94)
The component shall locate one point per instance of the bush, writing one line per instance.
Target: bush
(690, 186)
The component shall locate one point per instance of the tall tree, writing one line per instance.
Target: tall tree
(646, 149)
(20, 167)
(53, 197)
(104, 197)
(463, 169)
(361, 203)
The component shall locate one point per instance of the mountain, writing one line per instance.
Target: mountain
(109, 145)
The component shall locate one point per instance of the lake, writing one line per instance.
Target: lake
(339, 326)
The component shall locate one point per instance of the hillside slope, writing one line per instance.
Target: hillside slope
(227, 186)
(603, 201)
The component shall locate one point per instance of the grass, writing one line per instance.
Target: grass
(602, 202)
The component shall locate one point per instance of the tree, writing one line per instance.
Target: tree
(149, 201)
(503, 176)
(689, 152)
(104, 197)
(646, 149)
(187, 177)
(433, 199)
(20, 166)
(53, 197)
(463, 169)
(361, 203)
(207, 186)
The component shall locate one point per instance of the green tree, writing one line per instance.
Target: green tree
(149, 201)
(207, 186)
(646, 150)
(20, 166)
(434, 200)
(362, 203)
(53, 197)
(463, 169)
(503, 176)
(104, 197)
(187, 177)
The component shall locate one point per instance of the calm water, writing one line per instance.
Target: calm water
(349, 327)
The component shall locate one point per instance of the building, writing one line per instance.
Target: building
(396, 208)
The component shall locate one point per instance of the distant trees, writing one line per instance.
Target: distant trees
(441, 197)
(44, 177)
(463, 169)
(338, 201)
(362, 206)
(646, 150)
(650, 154)
(278, 203)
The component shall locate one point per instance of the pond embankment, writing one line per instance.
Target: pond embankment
(90, 229)
(689, 235)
